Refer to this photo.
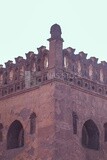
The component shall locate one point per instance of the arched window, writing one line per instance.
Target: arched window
(46, 62)
(38, 68)
(79, 68)
(105, 132)
(75, 118)
(33, 67)
(66, 62)
(73, 68)
(32, 123)
(91, 71)
(90, 135)
(1, 134)
(101, 75)
(22, 71)
(11, 75)
(1, 79)
(15, 135)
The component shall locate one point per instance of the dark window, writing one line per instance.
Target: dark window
(5, 81)
(75, 118)
(15, 135)
(86, 84)
(1, 134)
(79, 83)
(32, 123)
(73, 68)
(90, 135)
(93, 87)
(105, 132)
(96, 77)
(38, 69)
(85, 73)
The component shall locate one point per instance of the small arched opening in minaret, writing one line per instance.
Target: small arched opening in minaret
(90, 135)
(15, 135)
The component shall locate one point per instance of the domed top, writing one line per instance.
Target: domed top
(55, 31)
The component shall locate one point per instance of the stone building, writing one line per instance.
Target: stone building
(53, 105)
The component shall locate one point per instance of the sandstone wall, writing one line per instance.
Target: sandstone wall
(87, 106)
(39, 145)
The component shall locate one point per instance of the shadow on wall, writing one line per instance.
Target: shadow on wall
(15, 135)
(90, 135)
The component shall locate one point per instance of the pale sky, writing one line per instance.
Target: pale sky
(25, 26)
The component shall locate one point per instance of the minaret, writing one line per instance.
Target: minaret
(55, 47)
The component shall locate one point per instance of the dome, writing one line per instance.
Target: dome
(55, 31)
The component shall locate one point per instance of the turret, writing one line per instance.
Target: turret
(55, 47)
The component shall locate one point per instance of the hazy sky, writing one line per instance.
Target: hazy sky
(25, 26)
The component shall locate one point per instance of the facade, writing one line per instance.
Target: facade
(53, 105)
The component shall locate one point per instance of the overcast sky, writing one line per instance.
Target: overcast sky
(25, 26)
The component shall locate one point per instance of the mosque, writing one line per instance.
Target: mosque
(53, 105)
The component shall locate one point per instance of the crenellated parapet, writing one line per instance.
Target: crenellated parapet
(13, 75)
(55, 63)
(86, 68)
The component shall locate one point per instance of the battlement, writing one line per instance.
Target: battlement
(36, 69)
(87, 68)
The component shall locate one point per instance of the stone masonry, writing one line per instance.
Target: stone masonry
(53, 105)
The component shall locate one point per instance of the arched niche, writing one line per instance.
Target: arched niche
(90, 135)
(15, 135)
(1, 132)
(32, 123)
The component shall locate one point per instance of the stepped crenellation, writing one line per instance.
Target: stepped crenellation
(53, 105)
(35, 68)
(36, 62)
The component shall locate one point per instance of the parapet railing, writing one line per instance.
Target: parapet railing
(82, 82)
(42, 77)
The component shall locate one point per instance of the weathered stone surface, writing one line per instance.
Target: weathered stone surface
(67, 96)
(20, 107)
(87, 107)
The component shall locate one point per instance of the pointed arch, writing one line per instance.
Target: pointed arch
(15, 135)
(46, 61)
(90, 135)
